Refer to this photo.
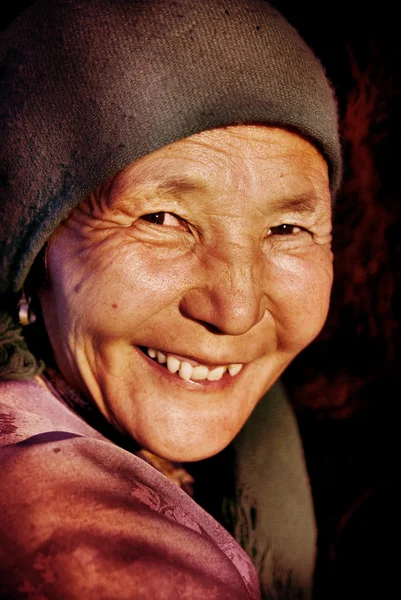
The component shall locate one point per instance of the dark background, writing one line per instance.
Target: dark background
(346, 386)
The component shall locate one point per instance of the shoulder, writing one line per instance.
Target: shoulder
(28, 408)
(83, 518)
(79, 521)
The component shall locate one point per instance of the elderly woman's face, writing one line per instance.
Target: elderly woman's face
(180, 291)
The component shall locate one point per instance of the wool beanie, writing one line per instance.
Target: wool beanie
(91, 86)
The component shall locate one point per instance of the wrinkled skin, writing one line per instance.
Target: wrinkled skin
(217, 279)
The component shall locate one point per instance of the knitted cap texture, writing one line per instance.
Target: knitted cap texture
(90, 86)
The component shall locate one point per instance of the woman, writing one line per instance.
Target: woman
(169, 171)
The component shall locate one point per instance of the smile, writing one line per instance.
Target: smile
(190, 372)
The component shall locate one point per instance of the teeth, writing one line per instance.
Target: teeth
(234, 369)
(187, 372)
(173, 364)
(216, 374)
(199, 373)
(161, 358)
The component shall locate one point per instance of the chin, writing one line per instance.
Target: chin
(186, 450)
(187, 454)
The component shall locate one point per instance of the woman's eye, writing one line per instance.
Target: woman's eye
(285, 229)
(162, 218)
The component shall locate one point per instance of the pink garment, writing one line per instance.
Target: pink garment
(82, 518)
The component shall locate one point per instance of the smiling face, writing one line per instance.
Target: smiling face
(179, 291)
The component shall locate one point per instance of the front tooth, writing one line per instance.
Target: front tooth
(173, 364)
(161, 357)
(152, 352)
(200, 372)
(216, 374)
(234, 369)
(185, 371)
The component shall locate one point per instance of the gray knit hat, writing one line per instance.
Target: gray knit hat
(90, 87)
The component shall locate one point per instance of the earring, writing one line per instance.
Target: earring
(26, 316)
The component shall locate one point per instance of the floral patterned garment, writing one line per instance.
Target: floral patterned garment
(82, 517)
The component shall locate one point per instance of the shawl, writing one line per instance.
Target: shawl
(71, 497)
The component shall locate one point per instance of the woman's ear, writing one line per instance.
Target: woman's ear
(36, 334)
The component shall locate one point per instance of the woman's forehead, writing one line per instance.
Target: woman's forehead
(213, 151)
(238, 139)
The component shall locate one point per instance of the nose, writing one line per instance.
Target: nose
(231, 298)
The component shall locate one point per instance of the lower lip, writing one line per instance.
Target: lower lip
(204, 385)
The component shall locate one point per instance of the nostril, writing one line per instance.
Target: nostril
(209, 327)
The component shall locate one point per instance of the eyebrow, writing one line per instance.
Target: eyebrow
(302, 203)
(176, 186)
(172, 186)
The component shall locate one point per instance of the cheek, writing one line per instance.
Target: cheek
(302, 299)
(114, 291)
